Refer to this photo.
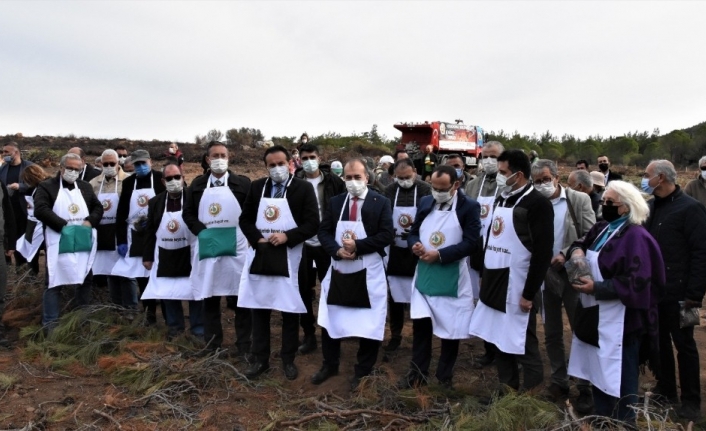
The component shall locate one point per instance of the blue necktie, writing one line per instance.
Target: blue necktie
(279, 191)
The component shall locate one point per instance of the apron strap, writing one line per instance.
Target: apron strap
(284, 196)
(100, 189)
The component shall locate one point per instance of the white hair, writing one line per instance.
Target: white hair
(497, 144)
(110, 153)
(72, 156)
(665, 167)
(630, 196)
(702, 161)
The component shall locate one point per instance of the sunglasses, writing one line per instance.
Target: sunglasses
(609, 203)
(173, 177)
(110, 164)
(703, 168)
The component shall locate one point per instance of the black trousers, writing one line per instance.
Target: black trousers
(261, 335)
(531, 361)
(367, 353)
(150, 305)
(421, 351)
(396, 313)
(687, 357)
(306, 287)
(213, 328)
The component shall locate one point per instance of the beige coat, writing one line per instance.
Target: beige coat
(697, 190)
(109, 184)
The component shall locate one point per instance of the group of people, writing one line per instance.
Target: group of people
(470, 257)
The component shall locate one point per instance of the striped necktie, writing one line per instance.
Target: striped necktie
(279, 191)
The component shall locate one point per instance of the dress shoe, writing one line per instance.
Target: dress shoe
(689, 412)
(412, 380)
(290, 370)
(393, 344)
(323, 374)
(557, 393)
(308, 344)
(446, 384)
(584, 402)
(255, 369)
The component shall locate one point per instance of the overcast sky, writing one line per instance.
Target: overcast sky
(170, 70)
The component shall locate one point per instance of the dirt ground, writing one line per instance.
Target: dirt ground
(39, 397)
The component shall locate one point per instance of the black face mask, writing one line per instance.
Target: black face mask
(610, 213)
(603, 167)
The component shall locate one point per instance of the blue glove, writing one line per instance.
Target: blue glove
(122, 250)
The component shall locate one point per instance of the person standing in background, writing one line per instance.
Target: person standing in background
(697, 187)
(11, 176)
(7, 228)
(89, 171)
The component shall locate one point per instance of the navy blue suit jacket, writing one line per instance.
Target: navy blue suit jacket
(377, 222)
(468, 213)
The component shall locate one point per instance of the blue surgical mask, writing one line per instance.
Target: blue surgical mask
(142, 170)
(645, 185)
(459, 173)
(7, 159)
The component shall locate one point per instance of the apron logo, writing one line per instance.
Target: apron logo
(143, 200)
(484, 210)
(498, 226)
(405, 221)
(73, 208)
(173, 226)
(107, 205)
(214, 209)
(437, 239)
(271, 213)
(349, 234)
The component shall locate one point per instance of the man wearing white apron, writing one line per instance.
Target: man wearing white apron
(356, 228)
(443, 235)
(279, 214)
(70, 212)
(108, 186)
(405, 194)
(7, 229)
(517, 255)
(167, 256)
(131, 224)
(212, 211)
(484, 189)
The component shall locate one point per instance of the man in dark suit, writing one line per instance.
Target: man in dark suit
(339, 321)
(302, 207)
(89, 171)
(11, 176)
(604, 166)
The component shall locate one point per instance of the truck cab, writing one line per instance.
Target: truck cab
(444, 137)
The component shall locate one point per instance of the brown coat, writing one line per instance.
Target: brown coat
(697, 190)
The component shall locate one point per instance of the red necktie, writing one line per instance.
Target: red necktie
(353, 211)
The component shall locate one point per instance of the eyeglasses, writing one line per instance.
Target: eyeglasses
(173, 177)
(545, 180)
(609, 203)
(72, 169)
(109, 164)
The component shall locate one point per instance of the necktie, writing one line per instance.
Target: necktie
(353, 211)
(279, 191)
(441, 207)
(218, 183)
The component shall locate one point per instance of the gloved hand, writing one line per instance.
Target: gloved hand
(122, 250)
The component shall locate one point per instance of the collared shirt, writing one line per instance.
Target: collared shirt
(223, 180)
(361, 200)
(560, 209)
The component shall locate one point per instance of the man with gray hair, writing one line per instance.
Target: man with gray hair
(70, 212)
(678, 224)
(573, 218)
(581, 181)
(697, 187)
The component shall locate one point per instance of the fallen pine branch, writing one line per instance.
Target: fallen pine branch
(109, 417)
(345, 413)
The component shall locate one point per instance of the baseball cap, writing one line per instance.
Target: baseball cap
(336, 165)
(386, 159)
(140, 156)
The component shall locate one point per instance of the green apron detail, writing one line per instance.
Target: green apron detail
(217, 241)
(438, 279)
(75, 239)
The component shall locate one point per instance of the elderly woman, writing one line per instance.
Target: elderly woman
(697, 187)
(617, 310)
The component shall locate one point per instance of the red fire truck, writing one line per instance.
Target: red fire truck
(445, 138)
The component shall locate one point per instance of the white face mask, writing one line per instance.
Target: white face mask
(310, 166)
(279, 174)
(70, 176)
(502, 181)
(174, 186)
(441, 197)
(490, 165)
(110, 171)
(406, 184)
(356, 187)
(172, 151)
(703, 174)
(219, 166)
(547, 190)
(121, 160)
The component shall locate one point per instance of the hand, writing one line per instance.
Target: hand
(122, 250)
(525, 305)
(558, 262)
(430, 256)
(349, 245)
(278, 239)
(418, 249)
(689, 304)
(9, 253)
(343, 254)
(261, 240)
(86, 223)
(405, 234)
(584, 285)
(147, 265)
(14, 186)
(578, 253)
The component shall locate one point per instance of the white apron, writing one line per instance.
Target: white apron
(603, 365)
(105, 259)
(131, 266)
(450, 316)
(173, 239)
(403, 218)
(486, 215)
(341, 322)
(267, 291)
(28, 249)
(504, 250)
(218, 276)
(68, 268)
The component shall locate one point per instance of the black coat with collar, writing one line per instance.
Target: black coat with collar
(377, 222)
(130, 184)
(302, 202)
(90, 172)
(237, 184)
(45, 197)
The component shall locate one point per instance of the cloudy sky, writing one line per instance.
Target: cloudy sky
(170, 70)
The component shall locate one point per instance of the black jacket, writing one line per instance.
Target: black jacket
(613, 176)
(332, 185)
(9, 226)
(124, 202)
(302, 202)
(155, 212)
(47, 192)
(89, 172)
(678, 224)
(377, 222)
(238, 185)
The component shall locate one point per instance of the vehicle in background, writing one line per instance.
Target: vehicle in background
(445, 138)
